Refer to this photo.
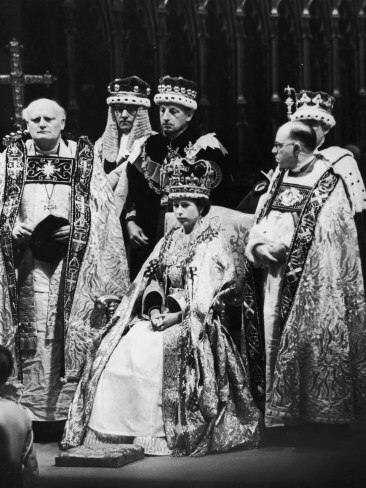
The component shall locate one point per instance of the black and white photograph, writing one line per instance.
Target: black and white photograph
(182, 243)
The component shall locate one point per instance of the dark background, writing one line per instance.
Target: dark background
(242, 53)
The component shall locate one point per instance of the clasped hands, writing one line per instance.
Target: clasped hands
(270, 253)
(22, 233)
(162, 321)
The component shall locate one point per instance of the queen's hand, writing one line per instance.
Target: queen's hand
(162, 321)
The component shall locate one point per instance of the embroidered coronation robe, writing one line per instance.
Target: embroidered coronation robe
(346, 166)
(48, 316)
(314, 312)
(206, 401)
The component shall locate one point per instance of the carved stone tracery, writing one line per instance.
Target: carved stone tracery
(242, 53)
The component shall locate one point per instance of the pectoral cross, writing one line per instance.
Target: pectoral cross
(17, 80)
(50, 206)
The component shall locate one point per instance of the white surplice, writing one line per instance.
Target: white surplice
(44, 394)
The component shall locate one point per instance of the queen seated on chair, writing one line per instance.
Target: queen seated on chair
(164, 373)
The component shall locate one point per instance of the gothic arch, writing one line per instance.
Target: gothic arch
(242, 53)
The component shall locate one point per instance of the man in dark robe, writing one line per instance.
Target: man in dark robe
(146, 203)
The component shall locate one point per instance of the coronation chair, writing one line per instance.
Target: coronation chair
(235, 227)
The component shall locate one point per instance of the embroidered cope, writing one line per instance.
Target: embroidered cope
(47, 310)
(314, 306)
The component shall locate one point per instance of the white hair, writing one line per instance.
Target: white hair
(61, 110)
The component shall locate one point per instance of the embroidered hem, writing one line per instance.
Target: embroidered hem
(154, 446)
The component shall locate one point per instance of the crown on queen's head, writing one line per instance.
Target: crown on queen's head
(188, 177)
(311, 105)
(177, 90)
(129, 91)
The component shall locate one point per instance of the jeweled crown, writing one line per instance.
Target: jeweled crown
(129, 91)
(177, 90)
(310, 105)
(188, 177)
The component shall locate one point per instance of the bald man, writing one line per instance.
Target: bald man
(61, 247)
(313, 312)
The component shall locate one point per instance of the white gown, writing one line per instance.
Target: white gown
(128, 400)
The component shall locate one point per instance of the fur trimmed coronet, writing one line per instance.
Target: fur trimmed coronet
(177, 90)
(314, 106)
(129, 91)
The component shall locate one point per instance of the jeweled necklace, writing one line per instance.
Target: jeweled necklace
(146, 174)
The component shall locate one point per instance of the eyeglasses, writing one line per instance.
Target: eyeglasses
(280, 145)
(131, 109)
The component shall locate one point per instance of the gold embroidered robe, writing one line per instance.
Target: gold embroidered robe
(206, 402)
(47, 313)
(316, 362)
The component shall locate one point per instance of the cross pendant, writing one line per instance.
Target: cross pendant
(49, 206)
